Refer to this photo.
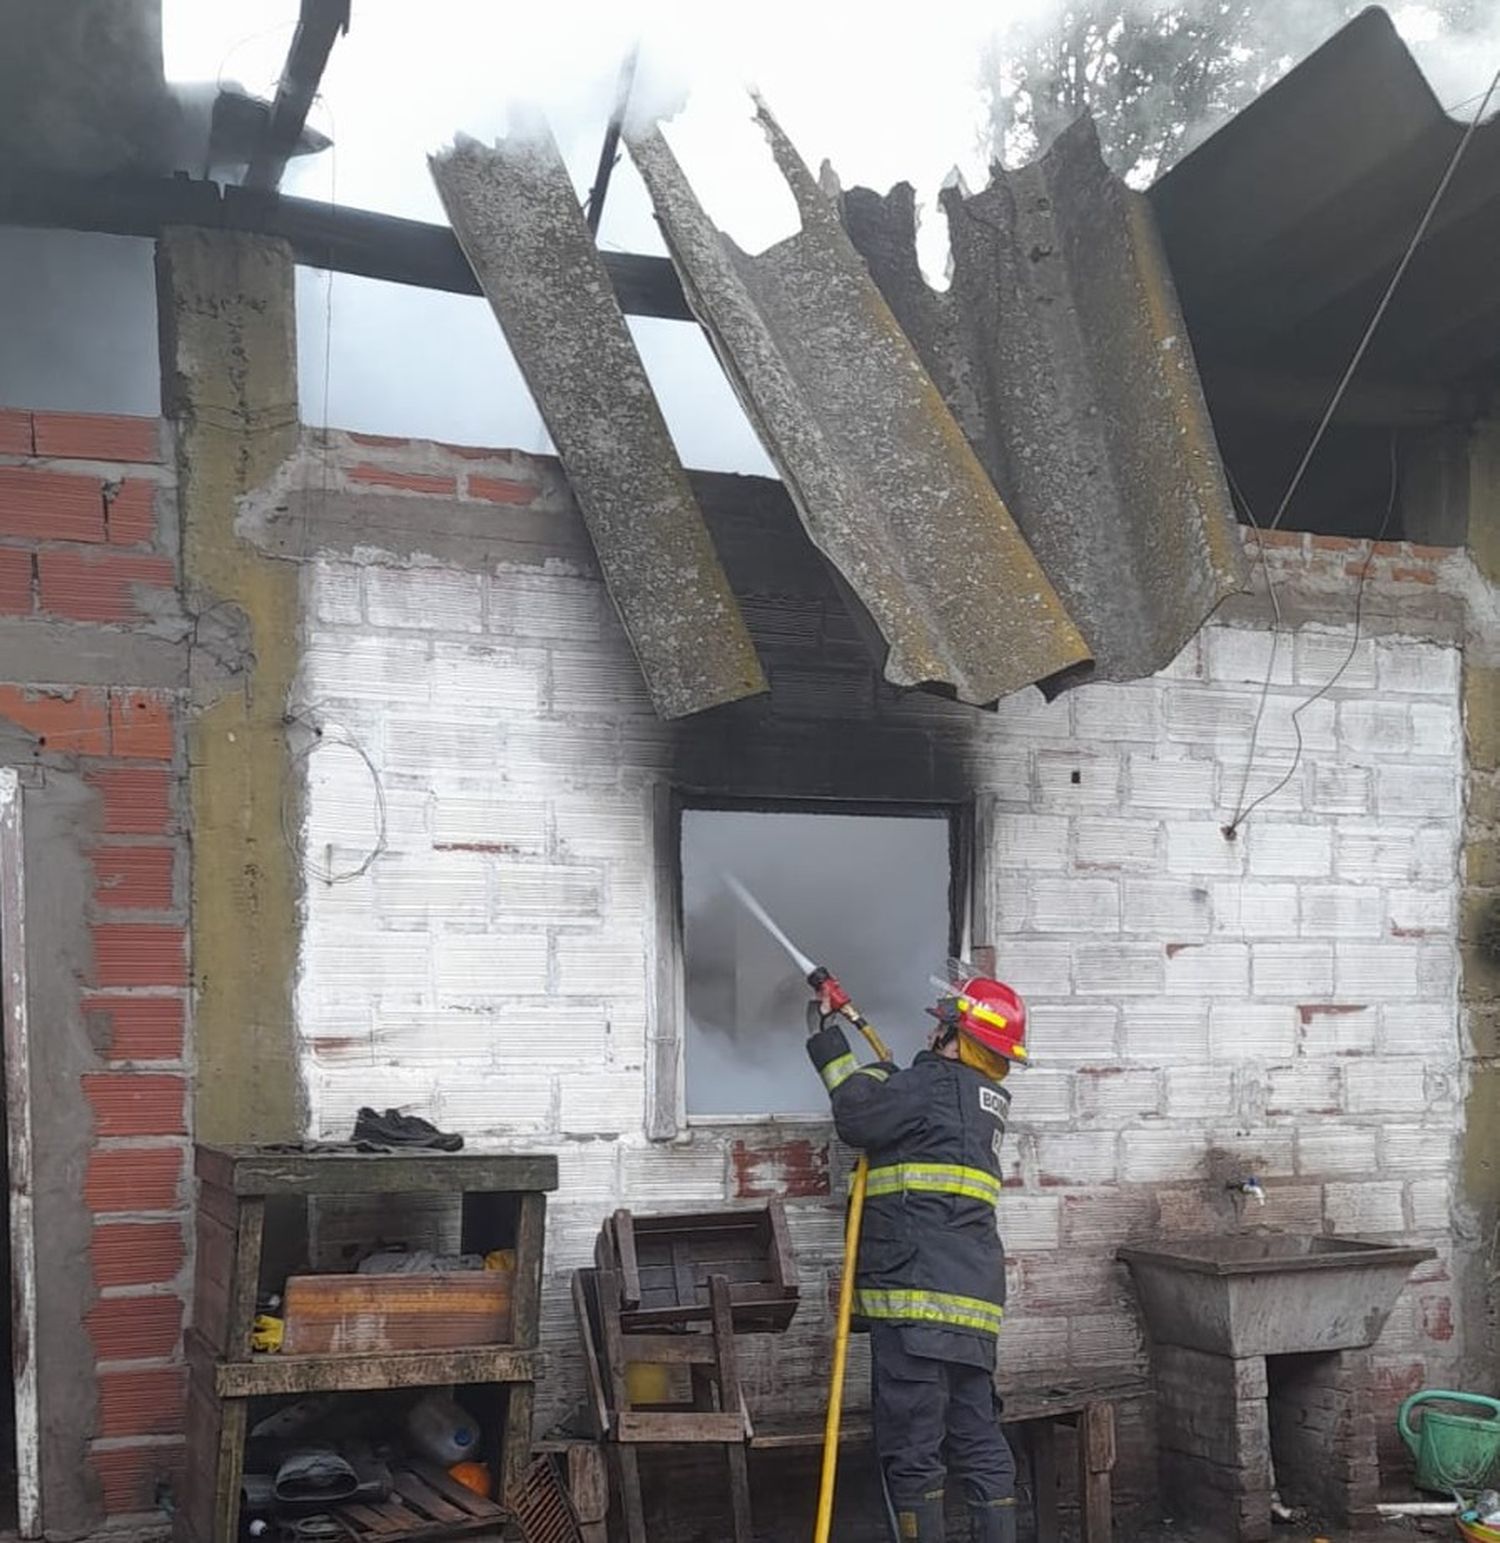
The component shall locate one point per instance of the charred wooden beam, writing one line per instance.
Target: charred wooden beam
(318, 26)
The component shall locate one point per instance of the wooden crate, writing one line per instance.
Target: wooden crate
(360, 1314)
(423, 1503)
(664, 1263)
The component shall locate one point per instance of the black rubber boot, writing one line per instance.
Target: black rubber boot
(920, 1521)
(992, 1521)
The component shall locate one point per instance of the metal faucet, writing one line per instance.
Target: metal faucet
(1249, 1187)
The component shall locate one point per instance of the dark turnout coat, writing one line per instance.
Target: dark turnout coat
(930, 1256)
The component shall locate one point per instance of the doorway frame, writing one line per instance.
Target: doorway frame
(17, 1069)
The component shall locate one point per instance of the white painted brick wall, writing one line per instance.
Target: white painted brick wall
(1166, 1033)
(1208, 969)
(1031, 841)
(1256, 1031)
(1417, 669)
(1341, 911)
(1174, 908)
(1200, 849)
(1362, 1208)
(1238, 655)
(1078, 1157)
(1075, 905)
(1089, 1034)
(1338, 789)
(1390, 1085)
(1329, 1150)
(1280, 849)
(1131, 844)
(1333, 1029)
(1172, 785)
(1320, 655)
(1253, 908)
(1116, 712)
(1301, 970)
(491, 971)
(1200, 1092)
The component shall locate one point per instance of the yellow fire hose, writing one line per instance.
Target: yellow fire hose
(846, 1309)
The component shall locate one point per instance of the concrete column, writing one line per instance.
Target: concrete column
(229, 386)
(1479, 917)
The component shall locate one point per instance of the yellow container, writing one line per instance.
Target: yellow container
(647, 1383)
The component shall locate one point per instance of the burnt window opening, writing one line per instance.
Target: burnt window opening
(873, 892)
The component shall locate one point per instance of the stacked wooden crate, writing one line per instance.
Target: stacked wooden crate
(671, 1292)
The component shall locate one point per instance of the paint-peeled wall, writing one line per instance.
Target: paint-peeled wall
(485, 907)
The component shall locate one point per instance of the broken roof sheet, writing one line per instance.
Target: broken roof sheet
(1283, 228)
(517, 218)
(1061, 351)
(883, 478)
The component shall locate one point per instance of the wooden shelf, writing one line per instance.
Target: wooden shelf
(347, 1171)
(273, 1374)
(254, 1199)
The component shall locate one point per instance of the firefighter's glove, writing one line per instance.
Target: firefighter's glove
(816, 1018)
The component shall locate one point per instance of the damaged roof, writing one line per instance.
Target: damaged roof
(1284, 227)
(884, 480)
(517, 218)
(1061, 351)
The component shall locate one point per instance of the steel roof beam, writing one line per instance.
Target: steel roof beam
(356, 241)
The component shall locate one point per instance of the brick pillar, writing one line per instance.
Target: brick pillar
(1214, 1441)
(91, 676)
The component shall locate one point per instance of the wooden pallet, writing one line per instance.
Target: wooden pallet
(424, 1503)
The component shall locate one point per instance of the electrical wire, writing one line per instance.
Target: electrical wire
(1277, 632)
(1232, 829)
(330, 733)
(1385, 301)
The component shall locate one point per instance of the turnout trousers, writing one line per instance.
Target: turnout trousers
(938, 1420)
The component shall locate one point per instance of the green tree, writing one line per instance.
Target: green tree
(1157, 78)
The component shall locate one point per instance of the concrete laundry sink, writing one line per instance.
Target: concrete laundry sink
(1269, 1293)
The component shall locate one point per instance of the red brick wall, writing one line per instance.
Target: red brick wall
(84, 541)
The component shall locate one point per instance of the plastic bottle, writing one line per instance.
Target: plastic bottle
(441, 1431)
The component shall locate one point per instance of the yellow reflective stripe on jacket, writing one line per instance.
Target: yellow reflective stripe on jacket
(934, 1179)
(838, 1071)
(914, 1306)
(879, 1073)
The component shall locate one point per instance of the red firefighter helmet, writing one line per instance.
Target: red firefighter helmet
(986, 1011)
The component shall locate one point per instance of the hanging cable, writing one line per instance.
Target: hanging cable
(1232, 829)
(1385, 301)
(1276, 635)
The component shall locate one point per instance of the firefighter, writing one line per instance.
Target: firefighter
(930, 1284)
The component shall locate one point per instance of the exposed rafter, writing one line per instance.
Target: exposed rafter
(375, 246)
(320, 23)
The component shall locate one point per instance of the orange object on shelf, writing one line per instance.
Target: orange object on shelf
(474, 1476)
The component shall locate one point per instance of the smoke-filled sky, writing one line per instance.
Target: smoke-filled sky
(885, 93)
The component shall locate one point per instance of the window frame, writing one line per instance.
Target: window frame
(667, 1118)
